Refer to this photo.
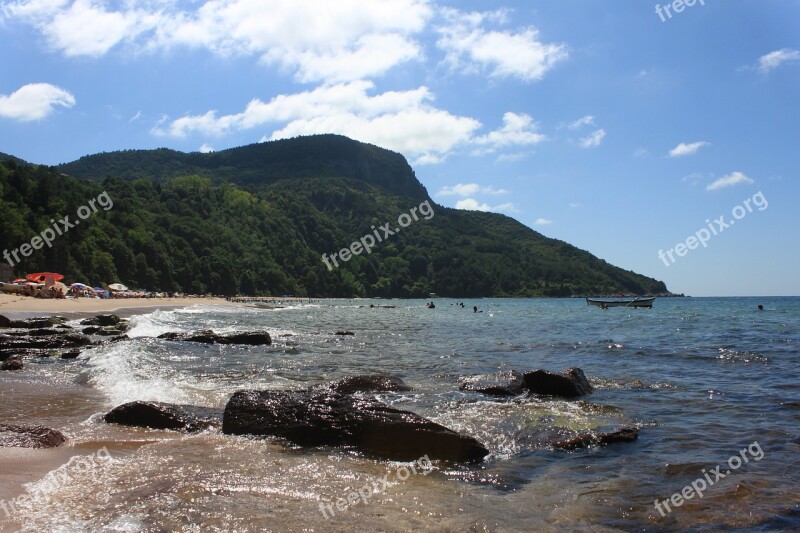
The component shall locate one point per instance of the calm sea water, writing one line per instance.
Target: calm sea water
(702, 378)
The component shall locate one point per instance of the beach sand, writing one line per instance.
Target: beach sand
(12, 304)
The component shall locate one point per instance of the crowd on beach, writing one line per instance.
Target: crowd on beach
(48, 285)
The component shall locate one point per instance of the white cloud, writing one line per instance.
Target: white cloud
(574, 205)
(774, 59)
(594, 139)
(470, 48)
(587, 120)
(469, 189)
(34, 101)
(399, 120)
(730, 180)
(136, 117)
(517, 130)
(334, 41)
(206, 148)
(512, 157)
(641, 152)
(542, 222)
(687, 149)
(471, 204)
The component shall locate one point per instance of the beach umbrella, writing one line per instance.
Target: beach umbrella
(78, 285)
(20, 281)
(41, 277)
(118, 287)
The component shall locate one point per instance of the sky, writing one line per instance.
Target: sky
(663, 137)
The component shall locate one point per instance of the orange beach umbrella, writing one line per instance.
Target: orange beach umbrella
(41, 277)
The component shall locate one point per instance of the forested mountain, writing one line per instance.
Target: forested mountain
(257, 219)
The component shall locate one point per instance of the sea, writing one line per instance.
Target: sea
(712, 384)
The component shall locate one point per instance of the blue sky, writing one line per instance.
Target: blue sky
(602, 123)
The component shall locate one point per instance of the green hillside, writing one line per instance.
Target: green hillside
(257, 219)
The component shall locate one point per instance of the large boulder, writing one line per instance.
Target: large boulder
(366, 383)
(158, 415)
(12, 363)
(503, 383)
(309, 418)
(571, 384)
(584, 440)
(30, 436)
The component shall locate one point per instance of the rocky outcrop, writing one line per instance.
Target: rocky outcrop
(584, 440)
(252, 338)
(504, 383)
(68, 340)
(310, 418)
(30, 323)
(158, 415)
(30, 437)
(571, 384)
(366, 383)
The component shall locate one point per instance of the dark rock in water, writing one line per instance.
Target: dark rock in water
(30, 437)
(72, 354)
(584, 440)
(101, 320)
(253, 338)
(158, 415)
(344, 333)
(90, 330)
(69, 340)
(368, 383)
(504, 383)
(5, 322)
(570, 384)
(309, 418)
(40, 332)
(12, 363)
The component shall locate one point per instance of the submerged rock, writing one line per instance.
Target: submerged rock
(572, 383)
(13, 362)
(366, 383)
(158, 415)
(504, 383)
(251, 338)
(344, 333)
(30, 436)
(584, 440)
(310, 418)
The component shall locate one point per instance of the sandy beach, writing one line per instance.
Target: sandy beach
(10, 303)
